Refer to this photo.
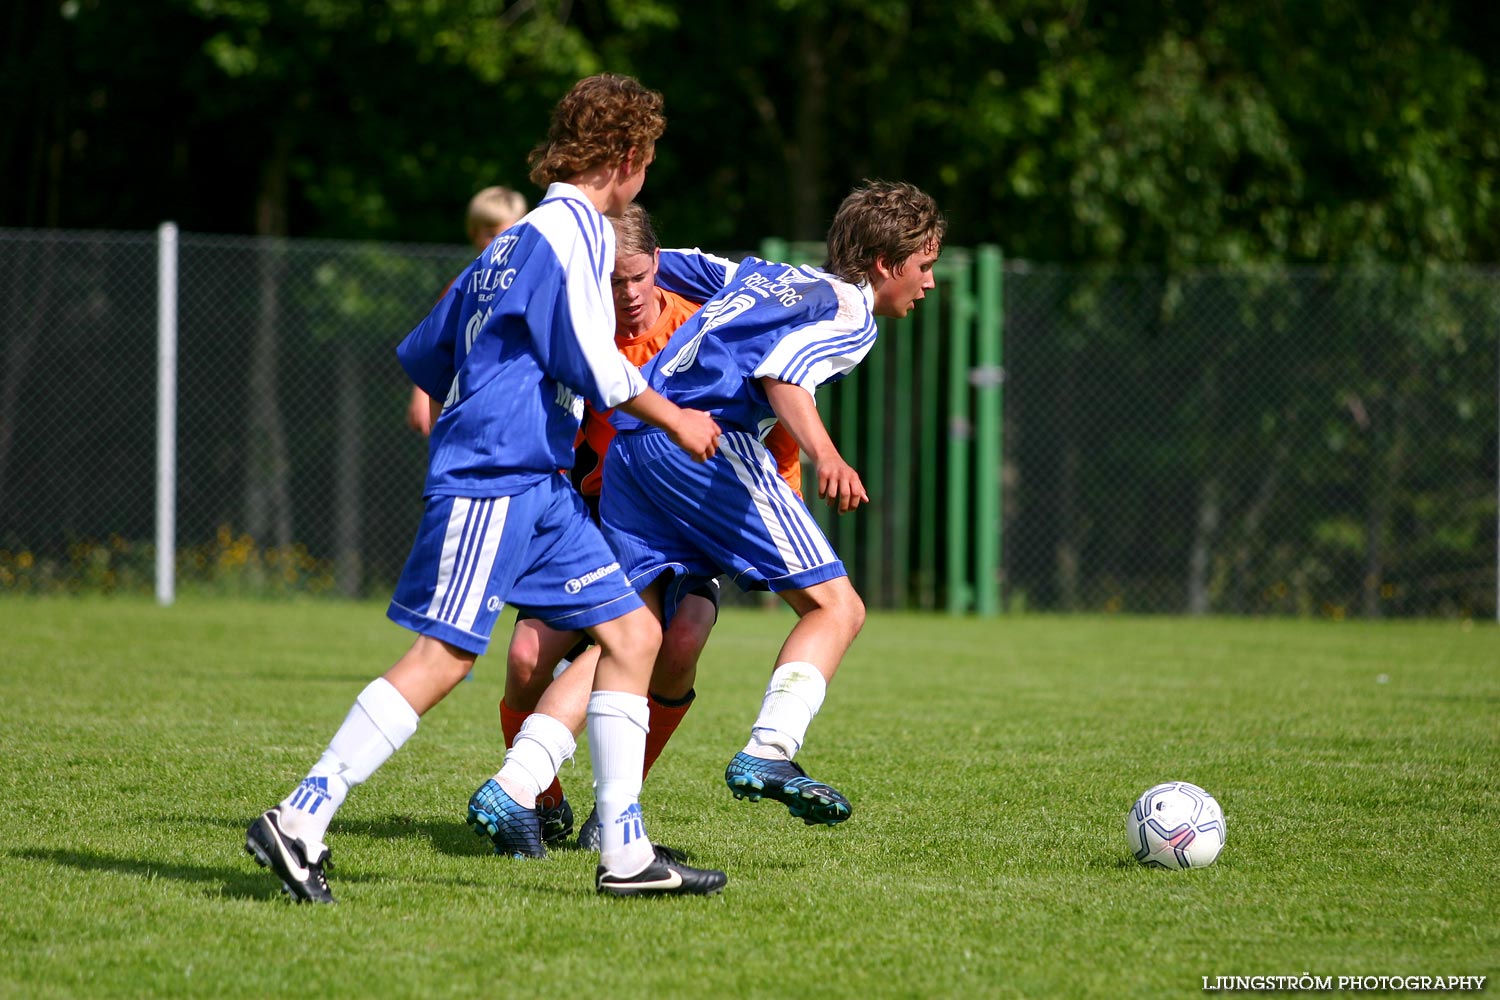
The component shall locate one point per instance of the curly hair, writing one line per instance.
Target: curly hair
(596, 124)
(634, 233)
(882, 220)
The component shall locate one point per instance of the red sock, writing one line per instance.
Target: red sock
(665, 718)
(510, 725)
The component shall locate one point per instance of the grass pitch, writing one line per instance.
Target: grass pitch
(990, 764)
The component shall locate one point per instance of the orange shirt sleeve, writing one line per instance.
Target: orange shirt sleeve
(788, 457)
(597, 430)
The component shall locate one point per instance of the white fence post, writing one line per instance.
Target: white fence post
(166, 413)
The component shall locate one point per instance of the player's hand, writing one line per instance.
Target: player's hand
(840, 485)
(696, 433)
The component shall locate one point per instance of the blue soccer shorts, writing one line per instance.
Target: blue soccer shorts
(537, 550)
(733, 514)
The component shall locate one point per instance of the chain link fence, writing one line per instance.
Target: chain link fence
(296, 472)
(1307, 441)
(1268, 440)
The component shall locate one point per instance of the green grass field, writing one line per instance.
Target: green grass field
(990, 764)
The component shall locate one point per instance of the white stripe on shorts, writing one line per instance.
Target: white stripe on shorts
(469, 548)
(791, 527)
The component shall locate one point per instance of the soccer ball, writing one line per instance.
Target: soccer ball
(1175, 825)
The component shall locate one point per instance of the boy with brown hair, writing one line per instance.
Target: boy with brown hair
(512, 350)
(645, 318)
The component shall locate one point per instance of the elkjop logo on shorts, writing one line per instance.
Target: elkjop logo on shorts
(576, 584)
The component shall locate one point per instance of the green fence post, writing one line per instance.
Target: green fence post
(932, 419)
(899, 505)
(848, 443)
(872, 468)
(988, 379)
(960, 433)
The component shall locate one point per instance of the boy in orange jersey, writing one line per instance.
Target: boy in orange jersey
(645, 318)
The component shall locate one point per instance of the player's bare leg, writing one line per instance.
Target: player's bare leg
(509, 808)
(535, 654)
(288, 839)
(830, 615)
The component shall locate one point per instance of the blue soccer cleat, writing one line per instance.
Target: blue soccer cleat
(514, 830)
(810, 801)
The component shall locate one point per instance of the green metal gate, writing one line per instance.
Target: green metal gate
(921, 421)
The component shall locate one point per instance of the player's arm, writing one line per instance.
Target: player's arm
(427, 352)
(419, 412)
(572, 352)
(838, 483)
(693, 274)
(694, 431)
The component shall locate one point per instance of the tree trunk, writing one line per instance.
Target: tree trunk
(807, 164)
(1388, 465)
(348, 471)
(1069, 531)
(42, 184)
(1200, 556)
(1210, 500)
(268, 515)
(33, 287)
(1250, 540)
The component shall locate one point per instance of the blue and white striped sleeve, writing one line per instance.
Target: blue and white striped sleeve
(828, 346)
(694, 274)
(427, 352)
(580, 351)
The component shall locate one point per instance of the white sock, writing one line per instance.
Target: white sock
(380, 721)
(617, 724)
(792, 698)
(534, 758)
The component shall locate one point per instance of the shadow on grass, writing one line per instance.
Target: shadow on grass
(232, 882)
(445, 837)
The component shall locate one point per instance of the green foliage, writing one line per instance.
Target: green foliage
(1176, 134)
(985, 857)
(1296, 425)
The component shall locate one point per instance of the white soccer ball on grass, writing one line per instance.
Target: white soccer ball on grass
(1175, 825)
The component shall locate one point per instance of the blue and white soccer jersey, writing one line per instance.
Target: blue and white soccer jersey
(797, 324)
(536, 550)
(733, 514)
(663, 511)
(523, 336)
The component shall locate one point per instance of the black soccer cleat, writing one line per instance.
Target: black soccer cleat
(301, 877)
(557, 820)
(590, 833)
(666, 875)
